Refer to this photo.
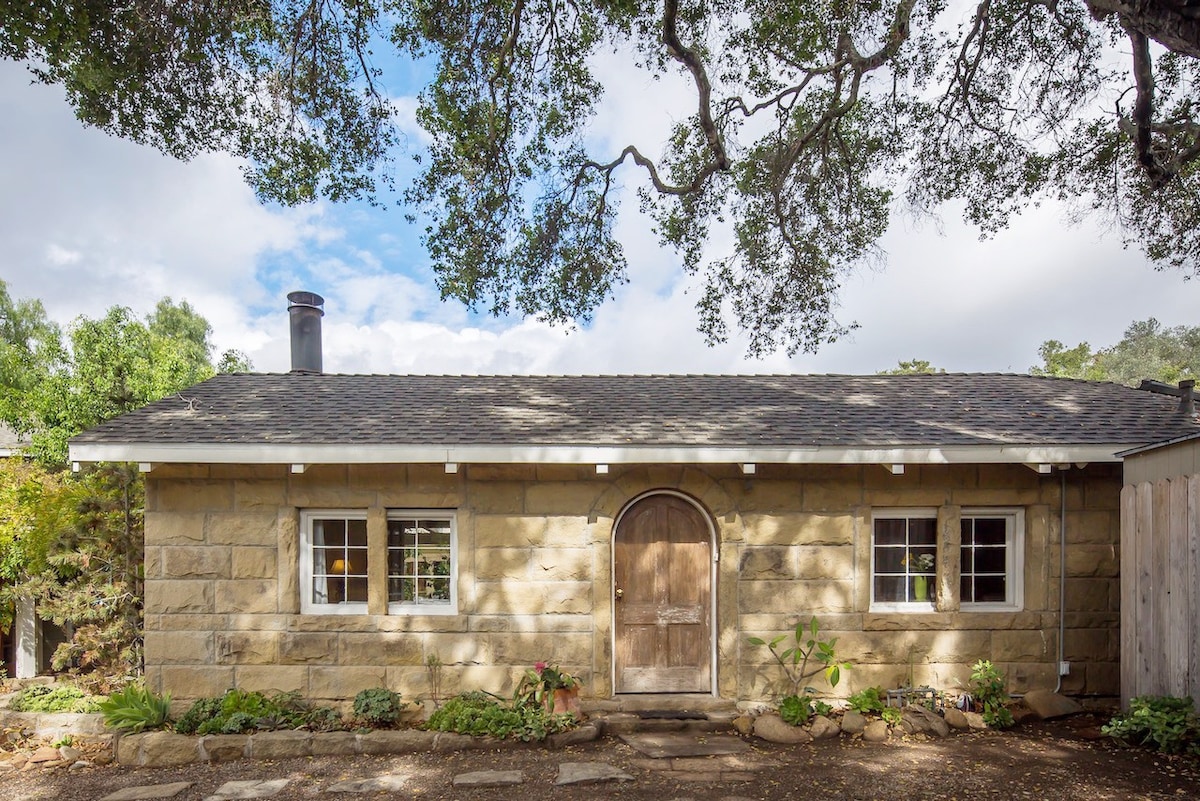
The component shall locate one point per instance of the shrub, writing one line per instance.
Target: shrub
(238, 711)
(868, 701)
(477, 713)
(1162, 722)
(806, 645)
(41, 698)
(378, 707)
(796, 709)
(891, 715)
(987, 684)
(135, 708)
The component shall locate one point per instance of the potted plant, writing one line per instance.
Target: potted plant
(549, 686)
(922, 562)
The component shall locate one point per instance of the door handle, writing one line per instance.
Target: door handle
(620, 593)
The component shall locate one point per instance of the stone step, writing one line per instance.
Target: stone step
(617, 723)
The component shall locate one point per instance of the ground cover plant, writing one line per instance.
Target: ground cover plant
(478, 713)
(1162, 722)
(135, 709)
(239, 711)
(988, 688)
(63, 698)
(378, 708)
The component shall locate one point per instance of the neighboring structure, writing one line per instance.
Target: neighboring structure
(1160, 582)
(329, 533)
(21, 647)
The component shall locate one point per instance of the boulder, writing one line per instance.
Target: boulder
(876, 731)
(744, 725)
(853, 722)
(974, 720)
(920, 720)
(955, 719)
(1049, 705)
(823, 728)
(773, 729)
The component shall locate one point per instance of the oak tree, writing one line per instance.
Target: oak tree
(807, 122)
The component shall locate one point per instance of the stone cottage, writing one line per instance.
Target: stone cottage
(328, 533)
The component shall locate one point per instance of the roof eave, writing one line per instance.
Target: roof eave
(158, 453)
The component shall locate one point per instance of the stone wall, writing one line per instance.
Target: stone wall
(534, 580)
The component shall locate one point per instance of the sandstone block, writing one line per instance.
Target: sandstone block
(797, 528)
(259, 495)
(343, 683)
(245, 596)
(334, 743)
(129, 748)
(242, 528)
(489, 778)
(562, 498)
(501, 564)
(178, 647)
(392, 648)
(561, 564)
(508, 531)
(254, 563)
(162, 749)
(498, 497)
(759, 562)
(280, 744)
(1099, 561)
(308, 647)
(523, 649)
(273, 678)
(1022, 646)
(195, 561)
(223, 747)
(197, 681)
(248, 647)
(194, 495)
(404, 741)
(165, 596)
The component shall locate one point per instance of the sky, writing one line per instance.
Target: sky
(88, 221)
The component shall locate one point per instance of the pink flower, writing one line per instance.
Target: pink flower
(539, 666)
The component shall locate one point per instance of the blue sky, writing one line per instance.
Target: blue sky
(88, 222)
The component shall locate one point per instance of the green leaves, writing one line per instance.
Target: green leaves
(1164, 723)
(134, 709)
(806, 645)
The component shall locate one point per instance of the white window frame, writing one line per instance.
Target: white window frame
(906, 607)
(1014, 559)
(310, 607)
(418, 608)
(307, 605)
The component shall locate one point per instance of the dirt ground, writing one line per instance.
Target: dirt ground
(1038, 760)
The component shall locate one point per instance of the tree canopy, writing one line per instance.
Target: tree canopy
(807, 122)
(1147, 350)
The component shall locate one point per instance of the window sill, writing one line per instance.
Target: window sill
(916, 608)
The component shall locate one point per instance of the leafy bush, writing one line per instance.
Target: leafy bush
(135, 708)
(868, 701)
(41, 698)
(987, 684)
(805, 645)
(378, 707)
(796, 709)
(1163, 722)
(891, 715)
(479, 714)
(239, 711)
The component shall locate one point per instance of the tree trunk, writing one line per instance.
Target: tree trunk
(1174, 24)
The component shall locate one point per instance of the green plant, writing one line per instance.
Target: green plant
(1162, 722)
(240, 710)
(135, 708)
(987, 685)
(323, 718)
(538, 684)
(869, 700)
(378, 707)
(478, 714)
(796, 709)
(40, 698)
(433, 667)
(806, 645)
(891, 715)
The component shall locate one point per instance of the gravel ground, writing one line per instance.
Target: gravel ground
(1035, 760)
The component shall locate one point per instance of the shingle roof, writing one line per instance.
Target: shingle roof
(716, 411)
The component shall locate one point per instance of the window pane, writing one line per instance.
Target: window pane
(889, 589)
(922, 531)
(968, 560)
(990, 589)
(890, 532)
(889, 560)
(991, 530)
(330, 533)
(990, 560)
(356, 533)
(356, 590)
(420, 561)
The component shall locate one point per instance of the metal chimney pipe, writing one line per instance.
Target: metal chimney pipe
(1187, 397)
(304, 309)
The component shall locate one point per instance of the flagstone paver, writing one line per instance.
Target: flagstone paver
(144, 792)
(590, 772)
(257, 788)
(389, 782)
(489, 778)
(661, 745)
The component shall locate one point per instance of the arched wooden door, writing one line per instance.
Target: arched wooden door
(662, 572)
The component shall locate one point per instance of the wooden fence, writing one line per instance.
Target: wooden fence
(1160, 588)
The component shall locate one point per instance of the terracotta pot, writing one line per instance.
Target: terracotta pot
(567, 701)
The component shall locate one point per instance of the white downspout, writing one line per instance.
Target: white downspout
(1062, 576)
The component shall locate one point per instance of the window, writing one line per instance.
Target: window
(420, 562)
(903, 560)
(991, 556)
(336, 560)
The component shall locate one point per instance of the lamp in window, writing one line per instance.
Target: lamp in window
(337, 581)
